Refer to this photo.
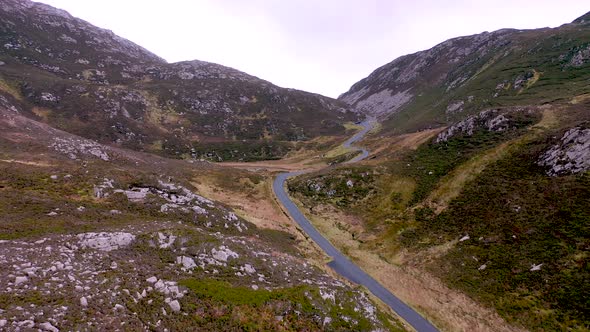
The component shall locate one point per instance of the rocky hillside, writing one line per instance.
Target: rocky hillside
(465, 75)
(95, 237)
(90, 82)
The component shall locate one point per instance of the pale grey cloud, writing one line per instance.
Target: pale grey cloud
(321, 46)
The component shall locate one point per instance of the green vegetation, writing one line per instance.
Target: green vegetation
(432, 161)
(221, 291)
(255, 310)
(344, 187)
(517, 217)
(240, 150)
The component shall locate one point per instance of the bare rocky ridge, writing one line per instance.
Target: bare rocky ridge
(105, 282)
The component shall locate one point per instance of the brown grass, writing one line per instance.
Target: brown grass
(580, 99)
(43, 113)
(29, 163)
(386, 147)
(253, 201)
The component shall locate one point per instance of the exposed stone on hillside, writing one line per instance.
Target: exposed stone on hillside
(105, 241)
(571, 155)
(49, 19)
(65, 282)
(577, 57)
(491, 120)
(75, 147)
(383, 102)
(584, 19)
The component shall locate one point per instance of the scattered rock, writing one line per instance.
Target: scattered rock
(536, 267)
(83, 301)
(223, 254)
(20, 280)
(187, 262)
(248, 269)
(72, 147)
(174, 305)
(136, 194)
(48, 327)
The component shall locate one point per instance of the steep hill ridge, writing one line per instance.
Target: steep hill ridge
(465, 75)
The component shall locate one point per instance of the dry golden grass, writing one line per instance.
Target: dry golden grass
(387, 147)
(352, 126)
(43, 113)
(580, 99)
(11, 90)
(251, 201)
(27, 162)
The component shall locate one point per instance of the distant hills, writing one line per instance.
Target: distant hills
(91, 82)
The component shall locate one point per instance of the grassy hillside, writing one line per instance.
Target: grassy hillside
(478, 211)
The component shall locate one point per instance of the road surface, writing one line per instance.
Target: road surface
(340, 263)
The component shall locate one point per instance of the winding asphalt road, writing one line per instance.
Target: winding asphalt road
(340, 263)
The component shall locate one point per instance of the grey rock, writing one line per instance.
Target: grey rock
(571, 155)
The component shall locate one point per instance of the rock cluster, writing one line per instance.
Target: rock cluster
(491, 120)
(571, 155)
(74, 147)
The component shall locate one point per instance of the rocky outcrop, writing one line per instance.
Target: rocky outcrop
(494, 120)
(105, 241)
(571, 155)
(74, 148)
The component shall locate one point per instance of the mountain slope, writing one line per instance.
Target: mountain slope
(95, 237)
(464, 75)
(90, 82)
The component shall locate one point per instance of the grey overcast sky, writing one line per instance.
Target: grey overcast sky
(321, 46)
